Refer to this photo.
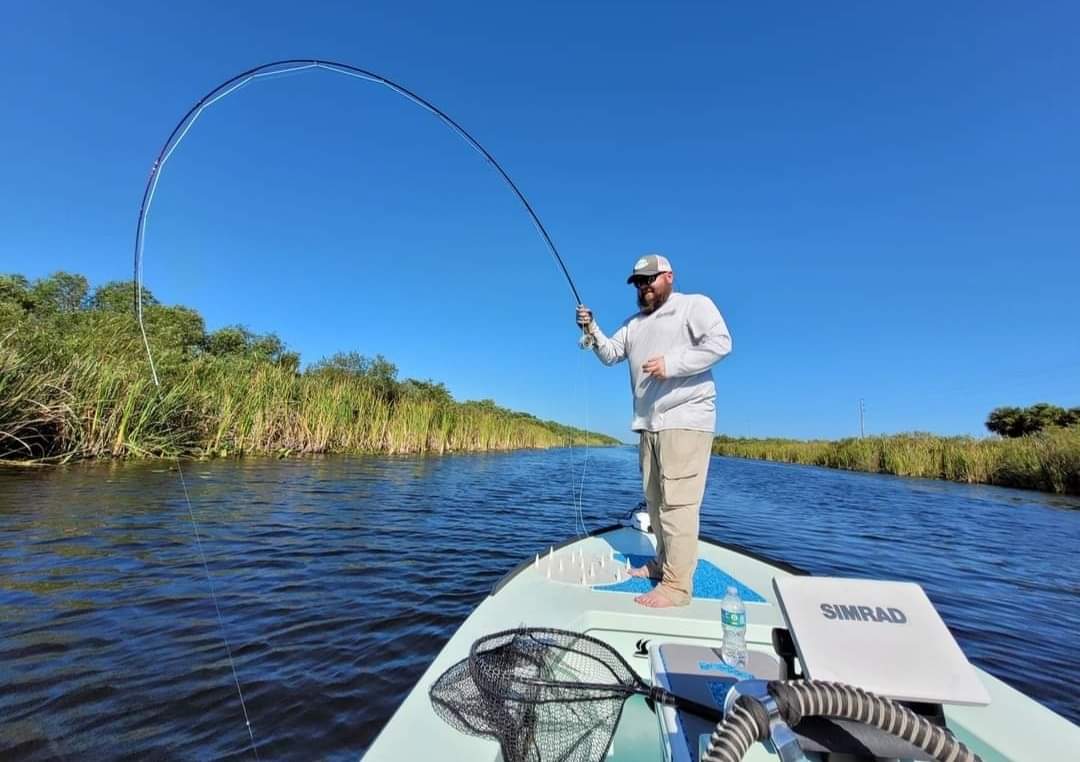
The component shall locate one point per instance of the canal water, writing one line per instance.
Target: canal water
(338, 579)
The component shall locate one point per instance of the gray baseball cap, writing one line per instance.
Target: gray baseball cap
(650, 264)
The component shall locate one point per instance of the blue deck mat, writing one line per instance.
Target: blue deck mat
(709, 581)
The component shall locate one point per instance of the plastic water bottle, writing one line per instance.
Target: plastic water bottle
(733, 617)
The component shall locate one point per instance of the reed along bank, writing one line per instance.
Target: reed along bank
(75, 383)
(1048, 460)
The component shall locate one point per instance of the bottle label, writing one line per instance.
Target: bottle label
(733, 618)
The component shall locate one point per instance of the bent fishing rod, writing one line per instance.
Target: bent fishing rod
(176, 137)
(287, 66)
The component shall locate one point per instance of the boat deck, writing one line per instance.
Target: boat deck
(526, 596)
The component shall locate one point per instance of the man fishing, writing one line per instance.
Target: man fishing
(671, 343)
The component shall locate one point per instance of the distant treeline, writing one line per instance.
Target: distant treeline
(1021, 421)
(75, 383)
(1048, 460)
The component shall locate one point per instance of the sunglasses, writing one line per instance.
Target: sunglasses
(643, 280)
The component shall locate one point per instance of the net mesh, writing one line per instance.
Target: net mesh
(546, 695)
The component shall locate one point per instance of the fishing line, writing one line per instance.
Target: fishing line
(176, 137)
(577, 490)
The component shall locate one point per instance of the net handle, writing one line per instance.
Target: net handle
(661, 696)
(653, 693)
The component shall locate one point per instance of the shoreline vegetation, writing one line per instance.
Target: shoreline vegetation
(1047, 460)
(75, 384)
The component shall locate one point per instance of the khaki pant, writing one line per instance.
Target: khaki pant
(674, 464)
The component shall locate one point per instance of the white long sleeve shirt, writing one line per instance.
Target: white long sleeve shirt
(689, 332)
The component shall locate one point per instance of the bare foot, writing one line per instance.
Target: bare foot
(640, 571)
(654, 600)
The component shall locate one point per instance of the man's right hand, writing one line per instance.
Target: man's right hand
(584, 316)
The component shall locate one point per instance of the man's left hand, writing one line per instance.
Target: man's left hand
(655, 367)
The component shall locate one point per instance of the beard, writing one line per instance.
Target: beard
(658, 293)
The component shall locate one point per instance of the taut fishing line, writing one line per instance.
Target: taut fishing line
(177, 136)
(580, 491)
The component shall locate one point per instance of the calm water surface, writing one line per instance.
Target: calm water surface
(339, 579)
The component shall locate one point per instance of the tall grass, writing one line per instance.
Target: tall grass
(268, 408)
(85, 407)
(1048, 461)
(50, 414)
(75, 383)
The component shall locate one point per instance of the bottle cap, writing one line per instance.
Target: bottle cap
(732, 590)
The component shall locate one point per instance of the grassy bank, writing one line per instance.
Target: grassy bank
(75, 383)
(1048, 461)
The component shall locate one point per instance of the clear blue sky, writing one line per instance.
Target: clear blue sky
(883, 201)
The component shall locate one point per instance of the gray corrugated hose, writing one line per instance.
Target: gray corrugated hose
(747, 721)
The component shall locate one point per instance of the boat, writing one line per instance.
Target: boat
(556, 588)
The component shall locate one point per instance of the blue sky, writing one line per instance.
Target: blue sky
(883, 201)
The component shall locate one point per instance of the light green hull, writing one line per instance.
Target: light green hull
(1012, 727)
